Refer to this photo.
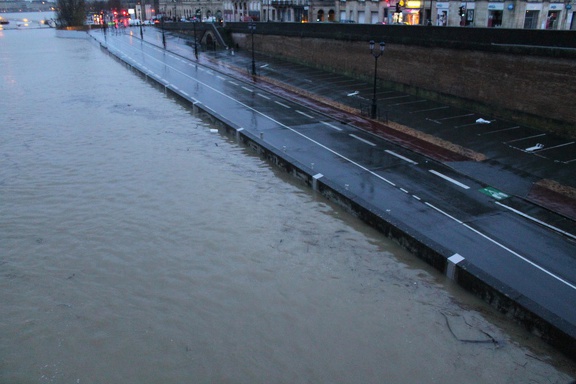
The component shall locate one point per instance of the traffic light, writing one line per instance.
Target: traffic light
(462, 11)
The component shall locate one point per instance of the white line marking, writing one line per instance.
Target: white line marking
(526, 138)
(403, 190)
(536, 220)
(444, 213)
(283, 105)
(331, 126)
(220, 77)
(499, 130)
(430, 109)
(247, 89)
(455, 117)
(557, 146)
(416, 197)
(449, 179)
(232, 82)
(400, 156)
(362, 140)
(409, 102)
(395, 97)
(505, 248)
(263, 96)
(304, 114)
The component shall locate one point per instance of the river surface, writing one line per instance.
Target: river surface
(139, 246)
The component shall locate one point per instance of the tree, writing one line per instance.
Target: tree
(71, 13)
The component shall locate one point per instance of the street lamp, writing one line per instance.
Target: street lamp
(376, 55)
(141, 33)
(252, 27)
(104, 25)
(163, 35)
(195, 40)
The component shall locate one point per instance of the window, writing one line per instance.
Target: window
(531, 20)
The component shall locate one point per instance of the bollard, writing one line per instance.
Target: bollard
(451, 267)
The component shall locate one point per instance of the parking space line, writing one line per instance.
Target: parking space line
(499, 130)
(557, 146)
(345, 81)
(455, 117)
(362, 140)
(331, 126)
(526, 138)
(431, 109)
(396, 97)
(449, 179)
(409, 102)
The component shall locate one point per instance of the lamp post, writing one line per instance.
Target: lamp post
(195, 40)
(141, 32)
(104, 25)
(376, 55)
(252, 27)
(163, 35)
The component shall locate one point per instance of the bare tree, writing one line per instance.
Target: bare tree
(71, 13)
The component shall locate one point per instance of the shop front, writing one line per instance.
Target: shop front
(442, 14)
(495, 14)
(412, 12)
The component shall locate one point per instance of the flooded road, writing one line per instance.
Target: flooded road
(137, 246)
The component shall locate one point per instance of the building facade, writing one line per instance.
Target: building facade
(481, 13)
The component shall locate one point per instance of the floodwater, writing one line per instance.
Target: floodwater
(138, 246)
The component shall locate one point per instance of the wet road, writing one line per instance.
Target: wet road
(426, 199)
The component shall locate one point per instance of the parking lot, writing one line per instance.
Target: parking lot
(525, 151)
